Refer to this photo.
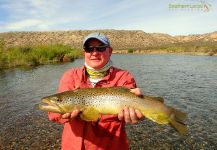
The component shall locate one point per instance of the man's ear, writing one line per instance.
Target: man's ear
(83, 52)
(110, 50)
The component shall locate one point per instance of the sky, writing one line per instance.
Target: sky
(174, 17)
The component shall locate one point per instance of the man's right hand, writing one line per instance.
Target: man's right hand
(72, 115)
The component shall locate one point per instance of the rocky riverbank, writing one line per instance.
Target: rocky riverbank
(164, 52)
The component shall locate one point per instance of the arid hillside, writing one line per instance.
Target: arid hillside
(120, 39)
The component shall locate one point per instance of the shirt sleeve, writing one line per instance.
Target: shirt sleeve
(66, 82)
(129, 81)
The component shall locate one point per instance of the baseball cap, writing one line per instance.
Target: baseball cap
(97, 35)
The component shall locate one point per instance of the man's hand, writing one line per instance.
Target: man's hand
(130, 115)
(72, 115)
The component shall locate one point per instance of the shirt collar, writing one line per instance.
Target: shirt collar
(85, 76)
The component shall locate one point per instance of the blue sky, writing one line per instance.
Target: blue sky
(148, 15)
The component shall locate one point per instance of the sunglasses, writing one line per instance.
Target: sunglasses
(90, 49)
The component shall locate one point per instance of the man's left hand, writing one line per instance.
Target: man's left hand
(131, 115)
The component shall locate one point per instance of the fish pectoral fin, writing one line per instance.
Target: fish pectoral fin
(89, 114)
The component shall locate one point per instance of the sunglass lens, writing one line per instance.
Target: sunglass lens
(101, 49)
(89, 49)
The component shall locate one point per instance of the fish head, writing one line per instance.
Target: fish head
(53, 103)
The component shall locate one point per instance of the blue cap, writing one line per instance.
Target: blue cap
(99, 36)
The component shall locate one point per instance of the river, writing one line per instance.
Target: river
(188, 83)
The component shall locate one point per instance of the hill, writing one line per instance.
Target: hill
(120, 39)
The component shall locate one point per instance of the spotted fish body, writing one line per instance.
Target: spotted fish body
(95, 101)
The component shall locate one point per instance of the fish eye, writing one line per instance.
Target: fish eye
(57, 99)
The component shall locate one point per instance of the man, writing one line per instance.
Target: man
(109, 132)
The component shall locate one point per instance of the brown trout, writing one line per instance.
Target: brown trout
(95, 101)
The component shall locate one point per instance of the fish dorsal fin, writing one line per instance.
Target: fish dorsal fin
(160, 99)
(122, 89)
(76, 90)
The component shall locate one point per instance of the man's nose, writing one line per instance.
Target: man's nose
(94, 50)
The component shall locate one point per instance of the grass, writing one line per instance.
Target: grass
(37, 55)
(196, 47)
(46, 54)
(188, 47)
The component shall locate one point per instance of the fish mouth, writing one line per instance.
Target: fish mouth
(48, 105)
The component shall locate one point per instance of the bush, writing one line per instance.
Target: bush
(2, 44)
(130, 50)
(3, 60)
(36, 55)
(73, 54)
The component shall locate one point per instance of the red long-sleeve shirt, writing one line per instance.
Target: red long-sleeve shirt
(107, 134)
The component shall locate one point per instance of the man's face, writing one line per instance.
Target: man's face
(97, 59)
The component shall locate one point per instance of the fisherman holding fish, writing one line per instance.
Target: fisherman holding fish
(109, 131)
(96, 100)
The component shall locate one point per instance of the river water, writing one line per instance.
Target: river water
(188, 83)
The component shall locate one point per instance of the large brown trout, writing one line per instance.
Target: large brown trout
(95, 101)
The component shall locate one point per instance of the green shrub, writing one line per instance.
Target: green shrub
(130, 50)
(2, 44)
(3, 60)
(36, 55)
(74, 54)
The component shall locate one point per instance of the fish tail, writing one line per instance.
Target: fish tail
(177, 121)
